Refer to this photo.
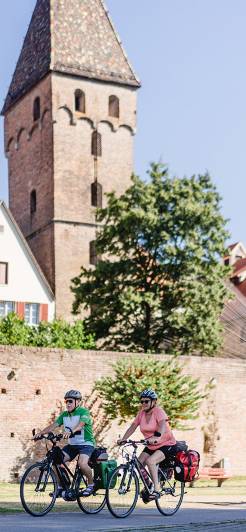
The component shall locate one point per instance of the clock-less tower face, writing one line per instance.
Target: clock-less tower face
(70, 119)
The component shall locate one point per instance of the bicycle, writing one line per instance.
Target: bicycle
(123, 486)
(39, 488)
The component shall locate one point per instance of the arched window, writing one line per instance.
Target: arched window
(36, 109)
(79, 101)
(33, 202)
(96, 144)
(96, 194)
(114, 106)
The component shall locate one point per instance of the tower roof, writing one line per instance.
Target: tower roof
(74, 37)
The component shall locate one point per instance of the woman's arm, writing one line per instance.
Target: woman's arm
(129, 432)
(160, 430)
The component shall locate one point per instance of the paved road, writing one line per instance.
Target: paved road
(211, 519)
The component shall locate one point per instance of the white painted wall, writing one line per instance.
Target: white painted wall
(24, 282)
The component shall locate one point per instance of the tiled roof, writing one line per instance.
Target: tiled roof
(73, 37)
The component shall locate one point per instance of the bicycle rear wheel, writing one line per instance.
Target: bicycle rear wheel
(38, 489)
(92, 504)
(172, 492)
(122, 491)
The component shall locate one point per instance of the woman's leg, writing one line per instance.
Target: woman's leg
(152, 462)
(143, 457)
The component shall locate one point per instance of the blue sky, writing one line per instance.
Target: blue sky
(191, 58)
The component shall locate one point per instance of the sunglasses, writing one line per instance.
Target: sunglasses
(69, 401)
(145, 401)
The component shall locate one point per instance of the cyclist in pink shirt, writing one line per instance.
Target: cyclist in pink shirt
(154, 425)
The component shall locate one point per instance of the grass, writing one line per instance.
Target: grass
(231, 490)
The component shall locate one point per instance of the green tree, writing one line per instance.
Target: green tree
(178, 393)
(160, 282)
(58, 333)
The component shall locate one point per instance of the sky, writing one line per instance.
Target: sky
(191, 58)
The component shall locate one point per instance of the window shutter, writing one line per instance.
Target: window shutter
(20, 309)
(44, 312)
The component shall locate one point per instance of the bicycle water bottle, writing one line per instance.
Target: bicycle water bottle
(146, 477)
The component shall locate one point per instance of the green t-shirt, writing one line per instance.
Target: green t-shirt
(70, 421)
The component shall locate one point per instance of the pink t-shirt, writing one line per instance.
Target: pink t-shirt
(149, 427)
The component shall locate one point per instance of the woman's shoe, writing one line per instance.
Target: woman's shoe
(154, 495)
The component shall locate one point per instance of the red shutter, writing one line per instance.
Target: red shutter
(43, 312)
(20, 309)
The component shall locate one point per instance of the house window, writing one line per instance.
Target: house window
(79, 97)
(3, 273)
(32, 313)
(36, 109)
(96, 144)
(6, 307)
(96, 194)
(114, 106)
(33, 201)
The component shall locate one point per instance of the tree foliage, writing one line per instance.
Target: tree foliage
(160, 283)
(14, 331)
(178, 393)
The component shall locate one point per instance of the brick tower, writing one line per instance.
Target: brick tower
(70, 118)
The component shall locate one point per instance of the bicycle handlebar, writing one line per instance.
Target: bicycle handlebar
(134, 442)
(50, 437)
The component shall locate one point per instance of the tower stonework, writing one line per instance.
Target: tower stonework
(70, 119)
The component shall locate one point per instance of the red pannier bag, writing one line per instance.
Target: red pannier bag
(186, 465)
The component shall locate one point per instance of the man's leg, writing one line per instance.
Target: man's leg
(86, 470)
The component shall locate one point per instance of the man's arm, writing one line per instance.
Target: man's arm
(50, 428)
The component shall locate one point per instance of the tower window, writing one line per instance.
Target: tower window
(114, 106)
(96, 194)
(36, 109)
(96, 144)
(94, 257)
(79, 101)
(33, 201)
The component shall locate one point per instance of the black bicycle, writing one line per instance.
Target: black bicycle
(39, 486)
(124, 484)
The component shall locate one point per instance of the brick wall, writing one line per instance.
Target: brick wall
(33, 382)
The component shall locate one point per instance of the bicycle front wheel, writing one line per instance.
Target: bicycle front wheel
(92, 504)
(122, 491)
(38, 489)
(172, 492)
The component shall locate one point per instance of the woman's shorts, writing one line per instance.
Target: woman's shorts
(73, 450)
(168, 450)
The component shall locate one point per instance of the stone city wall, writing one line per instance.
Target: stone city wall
(33, 382)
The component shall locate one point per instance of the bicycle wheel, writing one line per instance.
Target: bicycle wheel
(172, 492)
(92, 504)
(38, 489)
(122, 491)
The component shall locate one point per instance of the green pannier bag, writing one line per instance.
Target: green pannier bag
(103, 472)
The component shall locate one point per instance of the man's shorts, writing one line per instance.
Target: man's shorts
(168, 450)
(73, 450)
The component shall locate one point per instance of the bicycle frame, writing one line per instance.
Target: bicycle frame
(134, 463)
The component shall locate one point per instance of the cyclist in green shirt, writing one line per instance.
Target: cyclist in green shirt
(77, 423)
